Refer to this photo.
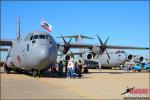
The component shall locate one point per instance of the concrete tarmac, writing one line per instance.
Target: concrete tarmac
(104, 84)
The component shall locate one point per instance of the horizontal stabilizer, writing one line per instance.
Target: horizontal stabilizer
(6, 42)
(3, 49)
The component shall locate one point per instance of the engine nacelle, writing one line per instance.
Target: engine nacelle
(95, 49)
(138, 59)
(61, 49)
(88, 56)
(129, 57)
(67, 57)
(64, 57)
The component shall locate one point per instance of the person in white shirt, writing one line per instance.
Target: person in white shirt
(70, 68)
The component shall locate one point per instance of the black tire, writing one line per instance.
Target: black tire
(7, 69)
(18, 71)
(139, 70)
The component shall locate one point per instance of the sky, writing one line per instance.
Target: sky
(126, 22)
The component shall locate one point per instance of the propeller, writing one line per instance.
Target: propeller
(70, 54)
(103, 47)
(66, 44)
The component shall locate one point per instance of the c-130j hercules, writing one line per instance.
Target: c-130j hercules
(38, 51)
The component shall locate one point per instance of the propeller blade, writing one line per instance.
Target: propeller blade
(63, 39)
(107, 61)
(100, 40)
(107, 54)
(106, 41)
(70, 40)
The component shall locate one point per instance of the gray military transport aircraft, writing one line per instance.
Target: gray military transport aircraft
(38, 51)
(110, 58)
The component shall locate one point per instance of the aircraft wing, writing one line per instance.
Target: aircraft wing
(127, 47)
(6, 42)
(76, 45)
(90, 46)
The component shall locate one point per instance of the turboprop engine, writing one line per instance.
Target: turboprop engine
(129, 57)
(88, 56)
(138, 59)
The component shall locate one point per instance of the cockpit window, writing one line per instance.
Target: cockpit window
(35, 37)
(48, 37)
(42, 36)
(29, 37)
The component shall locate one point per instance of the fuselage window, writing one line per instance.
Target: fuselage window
(42, 36)
(35, 37)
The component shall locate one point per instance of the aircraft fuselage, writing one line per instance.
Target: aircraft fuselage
(37, 51)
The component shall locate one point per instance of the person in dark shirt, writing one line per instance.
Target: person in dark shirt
(79, 68)
(60, 68)
(76, 67)
(66, 70)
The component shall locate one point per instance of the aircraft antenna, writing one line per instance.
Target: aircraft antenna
(18, 28)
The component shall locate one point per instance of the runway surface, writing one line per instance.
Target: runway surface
(104, 84)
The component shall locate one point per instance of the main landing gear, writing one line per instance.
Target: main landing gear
(7, 69)
(36, 73)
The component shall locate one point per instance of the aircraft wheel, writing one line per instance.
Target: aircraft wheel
(7, 69)
(34, 73)
(39, 73)
(18, 71)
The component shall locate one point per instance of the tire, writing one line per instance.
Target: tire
(7, 69)
(139, 70)
(18, 71)
(34, 73)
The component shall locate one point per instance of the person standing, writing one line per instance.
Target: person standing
(79, 68)
(66, 69)
(70, 68)
(60, 67)
(76, 67)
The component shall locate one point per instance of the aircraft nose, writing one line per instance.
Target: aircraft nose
(44, 54)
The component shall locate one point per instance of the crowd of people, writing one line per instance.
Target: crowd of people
(69, 68)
